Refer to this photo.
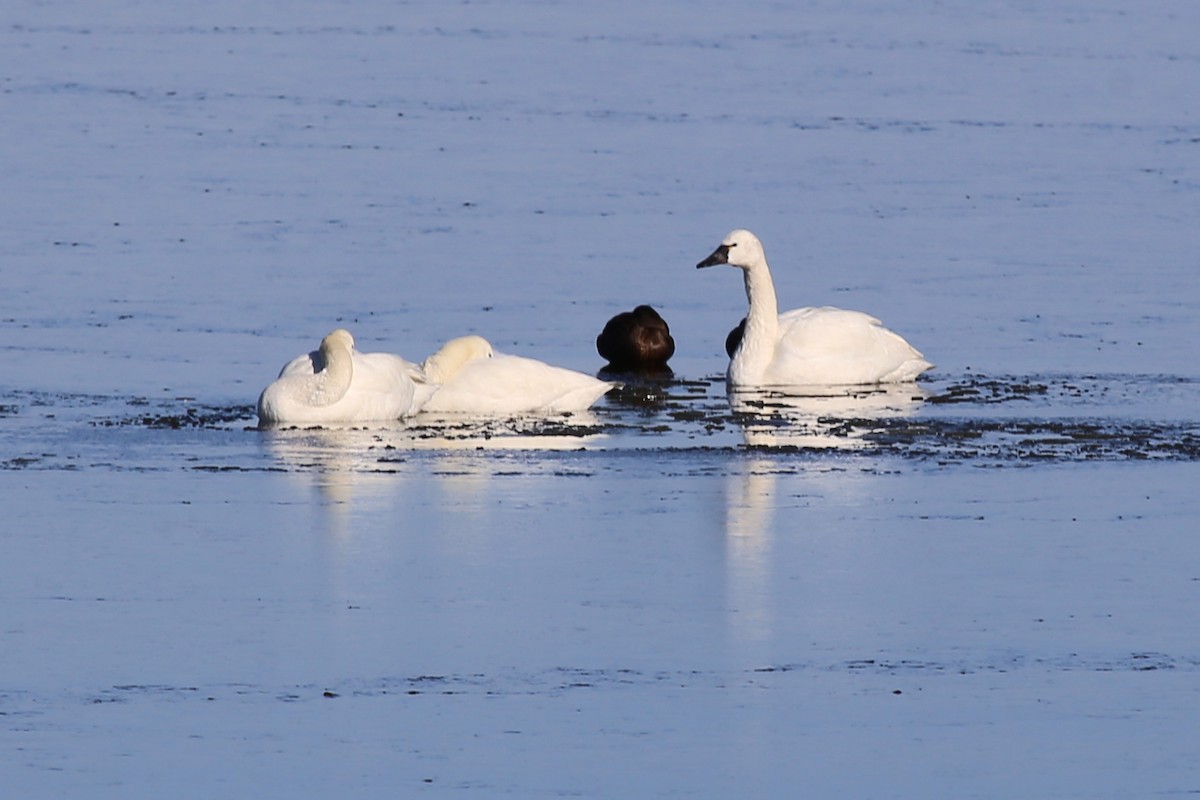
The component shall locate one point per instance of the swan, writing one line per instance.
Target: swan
(638, 340)
(336, 383)
(807, 346)
(475, 379)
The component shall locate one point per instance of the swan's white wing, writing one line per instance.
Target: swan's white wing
(285, 398)
(834, 346)
(301, 365)
(382, 387)
(508, 384)
(382, 372)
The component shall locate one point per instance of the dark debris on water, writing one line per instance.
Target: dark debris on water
(988, 390)
(646, 411)
(1027, 440)
(196, 416)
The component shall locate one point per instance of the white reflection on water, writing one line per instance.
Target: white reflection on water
(749, 535)
(344, 461)
(777, 527)
(359, 448)
(817, 417)
(341, 464)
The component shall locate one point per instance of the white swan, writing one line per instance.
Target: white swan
(807, 346)
(336, 383)
(477, 380)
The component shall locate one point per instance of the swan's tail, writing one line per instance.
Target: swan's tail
(908, 371)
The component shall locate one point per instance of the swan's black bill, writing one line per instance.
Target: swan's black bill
(719, 256)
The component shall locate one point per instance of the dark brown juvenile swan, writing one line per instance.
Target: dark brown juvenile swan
(637, 340)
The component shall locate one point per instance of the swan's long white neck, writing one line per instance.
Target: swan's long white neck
(333, 381)
(762, 327)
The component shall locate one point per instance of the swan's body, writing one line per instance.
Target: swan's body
(477, 380)
(808, 346)
(336, 383)
(638, 340)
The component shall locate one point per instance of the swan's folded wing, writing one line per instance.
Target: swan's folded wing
(382, 372)
(837, 346)
(301, 365)
(508, 384)
(387, 380)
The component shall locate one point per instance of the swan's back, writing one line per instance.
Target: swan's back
(831, 346)
(383, 372)
(508, 384)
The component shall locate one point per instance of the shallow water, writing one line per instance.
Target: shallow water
(981, 585)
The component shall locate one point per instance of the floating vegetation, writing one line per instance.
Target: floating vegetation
(1027, 419)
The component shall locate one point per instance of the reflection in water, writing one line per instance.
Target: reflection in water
(348, 460)
(359, 448)
(339, 463)
(644, 392)
(749, 508)
(819, 417)
(459, 432)
(772, 419)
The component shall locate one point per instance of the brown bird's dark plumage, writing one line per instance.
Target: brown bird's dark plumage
(637, 340)
(734, 339)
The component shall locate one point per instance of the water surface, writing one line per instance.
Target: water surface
(982, 585)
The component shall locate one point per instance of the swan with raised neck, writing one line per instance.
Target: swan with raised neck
(806, 346)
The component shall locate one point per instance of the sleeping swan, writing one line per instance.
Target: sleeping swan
(477, 380)
(807, 346)
(336, 383)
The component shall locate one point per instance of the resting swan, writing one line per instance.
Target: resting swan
(336, 383)
(477, 380)
(808, 346)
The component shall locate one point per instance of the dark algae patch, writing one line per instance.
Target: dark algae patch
(989, 390)
(1017, 420)
(1029, 440)
(193, 417)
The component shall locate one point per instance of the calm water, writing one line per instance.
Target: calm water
(679, 593)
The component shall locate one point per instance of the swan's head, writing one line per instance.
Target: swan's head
(454, 355)
(338, 340)
(740, 249)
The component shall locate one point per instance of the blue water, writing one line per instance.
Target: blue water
(671, 595)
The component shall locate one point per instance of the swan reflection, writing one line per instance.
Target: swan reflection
(749, 516)
(820, 417)
(354, 469)
(756, 515)
(791, 529)
(357, 449)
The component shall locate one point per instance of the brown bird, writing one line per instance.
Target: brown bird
(636, 341)
(734, 339)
